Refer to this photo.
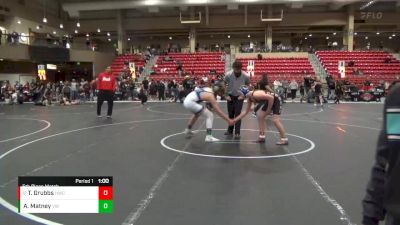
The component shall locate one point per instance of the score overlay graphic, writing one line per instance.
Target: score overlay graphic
(65, 194)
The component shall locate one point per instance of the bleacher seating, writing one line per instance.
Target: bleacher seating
(371, 63)
(200, 63)
(280, 68)
(118, 63)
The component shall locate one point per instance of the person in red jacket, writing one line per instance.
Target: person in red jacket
(106, 84)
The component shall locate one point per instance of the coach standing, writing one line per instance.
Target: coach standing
(234, 79)
(106, 84)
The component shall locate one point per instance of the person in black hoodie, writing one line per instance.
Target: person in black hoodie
(161, 90)
(382, 200)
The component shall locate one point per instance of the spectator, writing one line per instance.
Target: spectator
(382, 201)
(182, 93)
(48, 95)
(338, 92)
(293, 89)
(277, 85)
(132, 90)
(388, 59)
(167, 58)
(351, 63)
(308, 83)
(331, 86)
(74, 90)
(318, 92)
(263, 84)
(161, 91)
(145, 83)
(358, 72)
(66, 94)
(142, 95)
(153, 90)
(204, 79)
(301, 92)
(187, 85)
(14, 37)
(175, 90)
(141, 69)
(285, 85)
(125, 73)
(93, 90)
(107, 85)
(179, 68)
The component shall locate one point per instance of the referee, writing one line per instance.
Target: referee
(234, 79)
(106, 84)
(382, 198)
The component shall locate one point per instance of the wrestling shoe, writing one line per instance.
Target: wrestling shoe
(210, 138)
(283, 141)
(188, 132)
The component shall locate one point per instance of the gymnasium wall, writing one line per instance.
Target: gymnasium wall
(21, 78)
(100, 60)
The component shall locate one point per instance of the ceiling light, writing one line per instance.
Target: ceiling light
(197, 1)
(68, 45)
(44, 20)
(377, 33)
(151, 2)
(334, 33)
(109, 39)
(78, 24)
(87, 35)
(54, 32)
(305, 38)
(76, 31)
(390, 37)
(37, 27)
(129, 39)
(170, 38)
(310, 35)
(108, 34)
(393, 35)
(355, 33)
(229, 36)
(19, 21)
(327, 38)
(249, 36)
(61, 26)
(366, 38)
(366, 5)
(98, 30)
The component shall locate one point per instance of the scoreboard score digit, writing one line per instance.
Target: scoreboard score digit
(65, 194)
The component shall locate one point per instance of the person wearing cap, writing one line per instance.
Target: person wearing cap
(234, 79)
(382, 199)
(107, 85)
(271, 104)
(192, 103)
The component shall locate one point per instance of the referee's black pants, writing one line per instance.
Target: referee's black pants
(234, 110)
(105, 95)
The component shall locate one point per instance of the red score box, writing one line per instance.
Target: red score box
(105, 193)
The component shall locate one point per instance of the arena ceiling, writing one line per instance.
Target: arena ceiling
(101, 9)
